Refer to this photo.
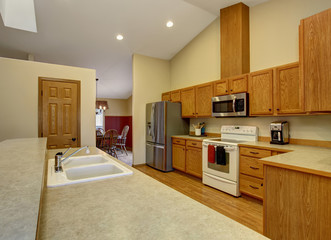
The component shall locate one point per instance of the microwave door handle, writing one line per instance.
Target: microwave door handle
(234, 105)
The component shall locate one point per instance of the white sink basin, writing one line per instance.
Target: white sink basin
(85, 169)
(84, 160)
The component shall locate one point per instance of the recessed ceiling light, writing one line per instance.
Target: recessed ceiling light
(119, 37)
(170, 24)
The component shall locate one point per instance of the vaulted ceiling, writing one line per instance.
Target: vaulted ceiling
(83, 33)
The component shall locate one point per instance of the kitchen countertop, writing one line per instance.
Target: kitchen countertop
(21, 178)
(131, 207)
(308, 159)
(191, 137)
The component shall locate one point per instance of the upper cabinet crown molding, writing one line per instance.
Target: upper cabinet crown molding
(234, 28)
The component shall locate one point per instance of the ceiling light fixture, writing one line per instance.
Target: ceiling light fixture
(170, 24)
(119, 37)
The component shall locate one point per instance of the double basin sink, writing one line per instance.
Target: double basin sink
(85, 169)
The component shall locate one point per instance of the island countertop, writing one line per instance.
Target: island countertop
(21, 178)
(308, 159)
(131, 207)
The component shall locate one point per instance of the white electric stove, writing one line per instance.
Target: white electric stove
(225, 175)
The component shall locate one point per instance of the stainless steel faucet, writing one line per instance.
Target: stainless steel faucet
(59, 155)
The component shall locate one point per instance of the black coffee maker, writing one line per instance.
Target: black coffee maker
(279, 132)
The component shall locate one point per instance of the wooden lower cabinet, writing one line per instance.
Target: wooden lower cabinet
(178, 157)
(194, 161)
(296, 204)
(187, 156)
(251, 186)
(251, 170)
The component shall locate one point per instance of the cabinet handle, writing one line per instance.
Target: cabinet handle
(270, 109)
(254, 152)
(194, 144)
(255, 168)
(277, 109)
(231, 90)
(253, 187)
(226, 90)
(193, 113)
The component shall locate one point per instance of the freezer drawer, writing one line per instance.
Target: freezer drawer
(156, 157)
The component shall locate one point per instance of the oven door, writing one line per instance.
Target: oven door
(229, 171)
(230, 105)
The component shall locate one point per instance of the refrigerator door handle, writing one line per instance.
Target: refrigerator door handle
(152, 126)
(154, 145)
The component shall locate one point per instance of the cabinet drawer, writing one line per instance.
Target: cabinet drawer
(253, 152)
(251, 186)
(197, 144)
(178, 141)
(251, 166)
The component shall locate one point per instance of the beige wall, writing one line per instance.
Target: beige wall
(274, 33)
(117, 107)
(303, 127)
(130, 106)
(274, 41)
(151, 77)
(199, 61)
(19, 97)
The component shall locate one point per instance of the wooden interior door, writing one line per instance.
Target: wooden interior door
(59, 114)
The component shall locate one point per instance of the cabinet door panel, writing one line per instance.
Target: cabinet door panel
(175, 96)
(187, 96)
(315, 55)
(178, 157)
(238, 84)
(221, 87)
(289, 90)
(166, 96)
(194, 161)
(261, 92)
(204, 93)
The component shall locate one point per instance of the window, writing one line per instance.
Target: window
(99, 118)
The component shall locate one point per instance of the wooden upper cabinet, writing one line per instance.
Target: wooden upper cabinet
(260, 86)
(203, 95)
(237, 84)
(175, 96)
(221, 87)
(187, 96)
(234, 27)
(166, 96)
(289, 90)
(315, 60)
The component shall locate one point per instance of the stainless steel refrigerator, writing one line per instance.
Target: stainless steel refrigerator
(163, 120)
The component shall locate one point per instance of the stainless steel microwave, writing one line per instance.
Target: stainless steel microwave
(234, 105)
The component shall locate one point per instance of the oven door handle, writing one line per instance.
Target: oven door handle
(218, 178)
(226, 148)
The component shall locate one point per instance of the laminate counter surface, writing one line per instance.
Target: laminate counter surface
(21, 178)
(315, 160)
(131, 207)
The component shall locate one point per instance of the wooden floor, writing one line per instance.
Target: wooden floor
(244, 210)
